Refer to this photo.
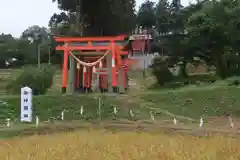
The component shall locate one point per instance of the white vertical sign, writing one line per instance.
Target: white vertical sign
(26, 104)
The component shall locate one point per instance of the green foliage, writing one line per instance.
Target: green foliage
(155, 47)
(63, 24)
(215, 27)
(36, 33)
(233, 81)
(161, 71)
(40, 80)
(163, 16)
(101, 17)
(146, 14)
(7, 111)
(205, 78)
(24, 49)
(8, 48)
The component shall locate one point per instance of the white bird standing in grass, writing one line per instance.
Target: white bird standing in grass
(152, 116)
(81, 110)
(174, 120)
(37, 121)
(201, 122)
(62, 115)
(131, 113)
(231, 121)
(115, 110)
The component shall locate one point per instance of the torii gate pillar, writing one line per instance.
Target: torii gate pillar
(65, 69)
(71, 75)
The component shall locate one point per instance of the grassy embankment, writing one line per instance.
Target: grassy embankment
(187, 104)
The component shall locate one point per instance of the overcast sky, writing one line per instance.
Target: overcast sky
(17, 15)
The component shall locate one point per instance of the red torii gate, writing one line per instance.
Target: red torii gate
(111, 47)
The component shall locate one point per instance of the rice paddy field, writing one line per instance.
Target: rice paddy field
(105, 145)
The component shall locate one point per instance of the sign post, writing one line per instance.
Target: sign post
(26, 104)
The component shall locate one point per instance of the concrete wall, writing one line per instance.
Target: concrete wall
(143, 61)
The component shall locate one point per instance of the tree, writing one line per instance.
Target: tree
(63, 24)
(40, 37)
(25, 52)
(177, 17)
(215, 27)
(163, 16)
(103, 17)
(19, 49)
(146, 15)
(174, 41)
(8, 48)
(36, 33)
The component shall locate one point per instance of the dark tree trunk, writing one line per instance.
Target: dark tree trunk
(183, 70)
(220, 67)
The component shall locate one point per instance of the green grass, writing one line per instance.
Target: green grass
(7, 75)
(189, 104)
(47, 106)
(194, 103)
(186, 103)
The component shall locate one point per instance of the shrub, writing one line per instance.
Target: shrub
(155, 47)
(161, 71)
(233, 81)
(204, 78)
(40, 80)
(7, 111)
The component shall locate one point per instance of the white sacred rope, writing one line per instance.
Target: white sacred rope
(89, 64)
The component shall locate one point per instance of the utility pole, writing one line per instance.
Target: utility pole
(37, 39)
(39, 55)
